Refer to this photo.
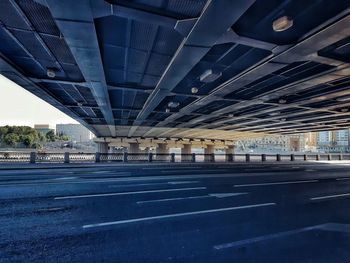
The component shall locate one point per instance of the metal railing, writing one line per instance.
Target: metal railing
(14, 157)
(34, 157)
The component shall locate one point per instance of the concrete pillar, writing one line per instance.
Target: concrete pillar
(278, 157)
(66, 157)
(292, 157)
(32, 157)
(134, 148)
(103, 147)
(162, 152)
(186, 153)
(208, 153)
(229, 151)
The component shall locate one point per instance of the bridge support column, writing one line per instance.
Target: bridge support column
(229, 151)
(162, 152)
(134, 148)
(209, 154)
(103, 147)
(186, 153)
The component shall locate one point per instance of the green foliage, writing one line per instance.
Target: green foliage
(11, 139)
(63, 137)
(11, 135)
(50, 136)
(27, 136)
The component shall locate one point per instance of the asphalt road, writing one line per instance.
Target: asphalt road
(176, 213)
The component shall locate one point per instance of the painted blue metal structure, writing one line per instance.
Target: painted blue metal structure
(118, 64)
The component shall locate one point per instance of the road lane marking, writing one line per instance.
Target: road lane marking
(184, 182)
(277, 183)
(152, 184)
(51, 209)
(66, 178)
(343, 179)
(224, 195)
(329, 196)
(162, 167)
(128, 193)
(218, 195)
(188, 171)
(135, 220)
(55, 182)
(248, 241)
(173, 199)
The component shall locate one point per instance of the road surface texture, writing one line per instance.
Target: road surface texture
(176, 213)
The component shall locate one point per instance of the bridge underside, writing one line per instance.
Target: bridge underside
(183, 68)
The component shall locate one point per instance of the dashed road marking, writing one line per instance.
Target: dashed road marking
(277, 183)
(128, 193)
(135, 220)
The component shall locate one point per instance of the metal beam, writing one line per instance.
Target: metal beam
(128, 11)
(329, 34)
(78, 29)
(202, 37)
(10, 72)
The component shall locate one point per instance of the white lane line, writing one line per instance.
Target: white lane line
(189, 171)
(265, 237)
(218, 195)
(128, 193)
(65, 178)
(153, 184)
(55, 182)
(51, 209)
(159, 168)
(173, 199)
(277, 183)
(127, 221)
(343, 179)
(135, 185)
(184, 182)
(329, 196)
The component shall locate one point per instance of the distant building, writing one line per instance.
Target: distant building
(324, 138)
(311, 141)
(76, 132)
(333, 141)
(341, 138)
(42, 128)
(274, 143)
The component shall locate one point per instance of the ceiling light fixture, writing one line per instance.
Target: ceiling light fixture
(282, 101)
(173, 104)
(194, 90)
(231, 115)
(282, 24)
(209, 76)
(51, 73)
(167, 110)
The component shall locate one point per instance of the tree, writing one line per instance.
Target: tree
(50, 136)
(64, 138)
(11, 139)
(28, 140)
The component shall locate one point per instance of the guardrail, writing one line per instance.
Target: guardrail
(34, 157)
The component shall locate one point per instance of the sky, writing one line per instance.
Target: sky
(20, 107)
